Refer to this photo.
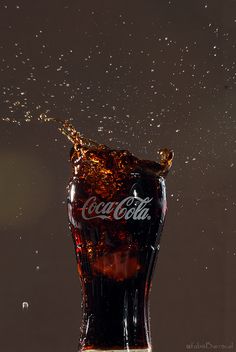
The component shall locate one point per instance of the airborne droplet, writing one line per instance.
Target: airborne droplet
(25, 306)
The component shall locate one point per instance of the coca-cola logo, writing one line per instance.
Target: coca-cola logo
(128, 208)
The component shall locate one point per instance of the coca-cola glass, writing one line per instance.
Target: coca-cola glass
(116, 209)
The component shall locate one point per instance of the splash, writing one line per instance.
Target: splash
(68, 130)
(90, 149)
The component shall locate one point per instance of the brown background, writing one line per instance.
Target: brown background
(133, 74)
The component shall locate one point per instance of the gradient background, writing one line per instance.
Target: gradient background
(133, 74)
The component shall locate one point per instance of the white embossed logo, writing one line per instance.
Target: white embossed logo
(130, 207)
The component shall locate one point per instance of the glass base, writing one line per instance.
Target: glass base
(126, 350)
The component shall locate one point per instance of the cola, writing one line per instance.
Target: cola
(116, 209)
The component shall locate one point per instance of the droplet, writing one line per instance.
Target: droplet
(25, 305)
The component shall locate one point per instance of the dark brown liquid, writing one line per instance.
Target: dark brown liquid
(116, 209)
(115, 256)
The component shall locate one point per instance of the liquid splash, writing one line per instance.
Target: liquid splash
(68, 130)
(83, 146)
(88, 148)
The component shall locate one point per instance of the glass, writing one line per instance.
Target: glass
(116, 209)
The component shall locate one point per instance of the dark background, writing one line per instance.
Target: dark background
(133, 74)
